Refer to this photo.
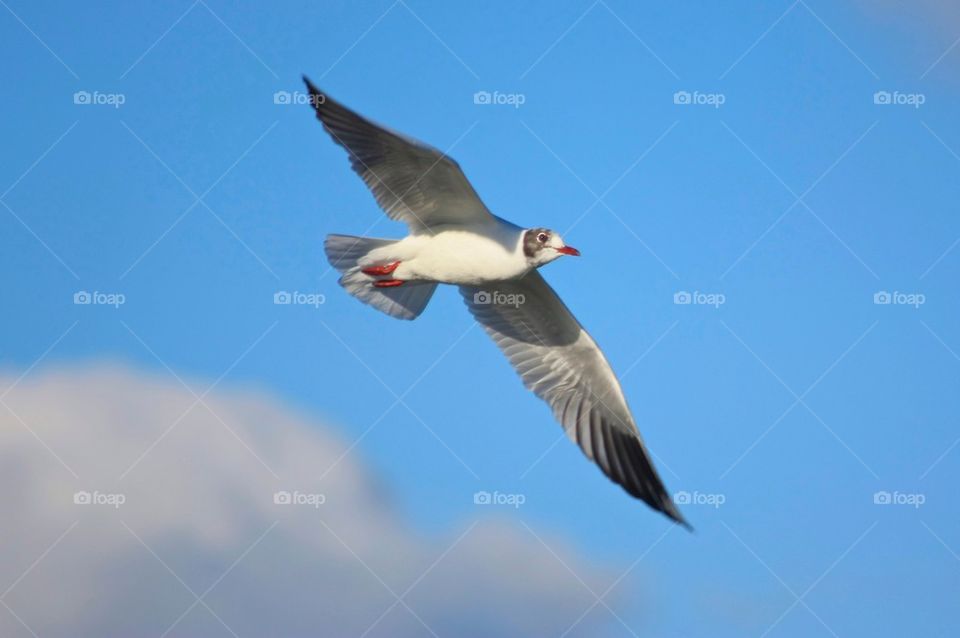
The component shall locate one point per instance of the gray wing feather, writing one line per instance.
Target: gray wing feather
(411, 181)
(560, 363)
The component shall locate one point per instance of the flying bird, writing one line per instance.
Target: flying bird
(454, 239)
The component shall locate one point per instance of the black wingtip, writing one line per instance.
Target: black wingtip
(671, 511)
(317, 97)
(311, 87)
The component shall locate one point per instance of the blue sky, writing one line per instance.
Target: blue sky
(797, 200)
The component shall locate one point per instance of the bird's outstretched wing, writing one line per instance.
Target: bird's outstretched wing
(412, 182)
(561, 364)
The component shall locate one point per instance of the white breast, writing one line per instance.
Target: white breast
(460, 256)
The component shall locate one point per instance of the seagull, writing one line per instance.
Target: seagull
(454, 239)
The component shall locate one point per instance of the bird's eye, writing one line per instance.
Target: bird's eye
(542, 238)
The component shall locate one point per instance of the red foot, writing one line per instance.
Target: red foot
(380, 270)
(387, 283)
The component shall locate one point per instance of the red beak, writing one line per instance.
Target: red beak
(569, 250)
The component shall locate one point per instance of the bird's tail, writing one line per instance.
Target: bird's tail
(344, 253)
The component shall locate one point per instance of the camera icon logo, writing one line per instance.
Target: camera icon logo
(482, 297)
(82, 498)
(282, 497)
(82, 97)
(682, 498)
(882, 298)
(882, 97)
(682, 298)
(282, 298)
(482, 97)
(281, 97)
(882, 498)
(82, 298)
(481, 498)
(681, 97)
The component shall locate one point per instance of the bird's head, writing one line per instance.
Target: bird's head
(542, 245)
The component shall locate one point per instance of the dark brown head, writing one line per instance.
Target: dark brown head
(542, 245)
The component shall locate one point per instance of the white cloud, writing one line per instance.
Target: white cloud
(199, 499)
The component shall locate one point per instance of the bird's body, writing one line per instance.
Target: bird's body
(454, 239)
(470, 255)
